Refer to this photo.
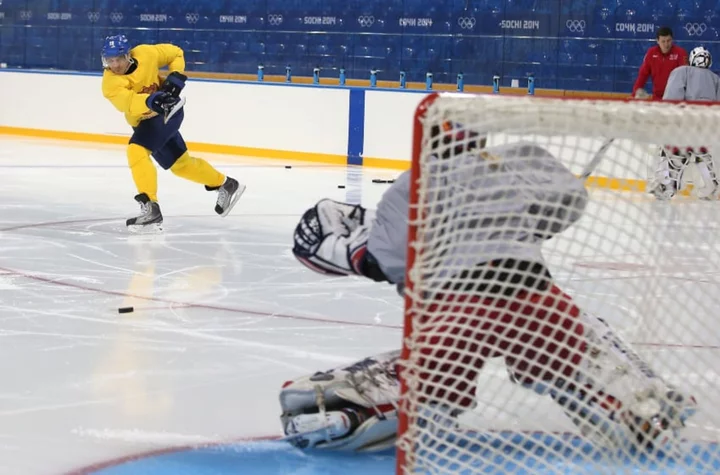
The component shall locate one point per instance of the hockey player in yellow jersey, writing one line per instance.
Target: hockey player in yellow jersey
(154, 109)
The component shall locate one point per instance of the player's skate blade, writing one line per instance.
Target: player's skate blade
(228, 195)
(150, 219)
(146, 229)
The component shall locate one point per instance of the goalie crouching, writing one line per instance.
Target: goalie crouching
(505, 304)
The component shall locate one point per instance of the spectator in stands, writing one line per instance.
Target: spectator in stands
(658, 63)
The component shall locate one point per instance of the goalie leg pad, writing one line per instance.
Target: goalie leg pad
(667, 173)
(373, 435)
(347, 430)
(369, 388)
(308, 430)
(368, 383)
(617, 397)
(705, 165)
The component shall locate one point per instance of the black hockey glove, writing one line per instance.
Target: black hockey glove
(174, 83)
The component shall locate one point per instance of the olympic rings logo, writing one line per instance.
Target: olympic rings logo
(275, 19)
(116, 17)
(25, 14)
(192, 18)
(575, 26)
(695, 29)
(366, 21)
(466, 22)
(93, 16)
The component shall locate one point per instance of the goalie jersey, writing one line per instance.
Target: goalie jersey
(690, 83)
(501, 202)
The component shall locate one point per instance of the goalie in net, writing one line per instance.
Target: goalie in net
(694, 82)
(493, 296)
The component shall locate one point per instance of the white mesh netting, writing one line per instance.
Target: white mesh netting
(556, 326)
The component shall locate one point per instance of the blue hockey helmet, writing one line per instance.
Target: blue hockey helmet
(114, 46)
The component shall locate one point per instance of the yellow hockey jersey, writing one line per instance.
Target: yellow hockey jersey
(128, 92)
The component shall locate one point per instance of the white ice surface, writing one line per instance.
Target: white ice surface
(224, 314)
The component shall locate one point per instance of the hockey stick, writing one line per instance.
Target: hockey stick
(595, 160)
(173, 110)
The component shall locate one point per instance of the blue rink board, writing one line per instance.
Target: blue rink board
(543, 453)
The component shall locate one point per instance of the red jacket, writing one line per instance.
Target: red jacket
(658, 66)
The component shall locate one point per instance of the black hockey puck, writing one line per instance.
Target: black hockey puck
(378, 180)
(288, 166)
(341, 186)
(126, 309)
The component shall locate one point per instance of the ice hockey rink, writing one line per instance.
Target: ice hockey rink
(223, 315)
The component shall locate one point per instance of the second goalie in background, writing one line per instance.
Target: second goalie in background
(495, 297)
(688, 83)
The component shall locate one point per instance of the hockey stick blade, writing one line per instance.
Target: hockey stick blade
(174, 110)
(595, 160)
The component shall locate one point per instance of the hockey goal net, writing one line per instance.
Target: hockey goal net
(506, 367)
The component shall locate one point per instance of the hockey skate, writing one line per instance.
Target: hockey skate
(150, 220)
(228, 194)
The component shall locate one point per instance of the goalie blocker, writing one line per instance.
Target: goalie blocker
(506, 307)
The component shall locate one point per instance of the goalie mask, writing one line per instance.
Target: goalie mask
(700, 58)
(447, 133)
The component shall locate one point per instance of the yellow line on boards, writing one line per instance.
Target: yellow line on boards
(618, 184)
(194, 146)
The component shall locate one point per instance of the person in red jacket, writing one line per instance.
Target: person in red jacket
(659, 62)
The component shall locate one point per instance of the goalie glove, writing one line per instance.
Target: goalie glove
(351, 408)
(331, 238)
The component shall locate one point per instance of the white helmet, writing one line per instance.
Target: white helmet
(700, 57)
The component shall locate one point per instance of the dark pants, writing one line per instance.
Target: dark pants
(163, 140)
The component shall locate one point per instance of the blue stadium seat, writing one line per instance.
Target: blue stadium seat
(607, 73)
(256, 48)
(598, 56)
(343, 50)
(12, 45)
(300, 50)
(361, 52)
